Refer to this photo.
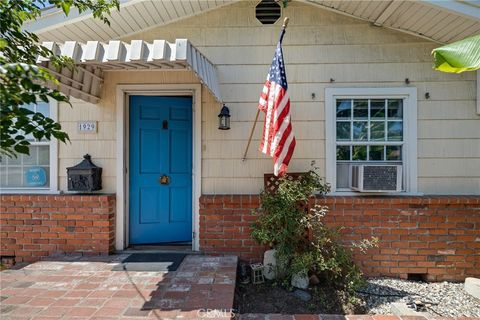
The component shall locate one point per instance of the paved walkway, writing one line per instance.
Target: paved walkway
(99, 288)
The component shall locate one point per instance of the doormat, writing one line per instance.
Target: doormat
(153, 261)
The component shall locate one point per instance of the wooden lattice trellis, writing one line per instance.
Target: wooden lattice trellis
(271, 183)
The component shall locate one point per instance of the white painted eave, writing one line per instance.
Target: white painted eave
(53, 18)
(431, 16)
(470, 9)
(146, 14)
(134, 16)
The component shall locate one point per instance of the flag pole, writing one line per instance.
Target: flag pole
(284, 26)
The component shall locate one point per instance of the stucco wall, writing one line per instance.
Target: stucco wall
(319, 45)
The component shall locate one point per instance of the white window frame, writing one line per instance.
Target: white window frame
(53, 143)
(409, 94)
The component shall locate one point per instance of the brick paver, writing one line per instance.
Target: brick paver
(99, 288)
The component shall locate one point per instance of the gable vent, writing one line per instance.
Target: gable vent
(268, 11)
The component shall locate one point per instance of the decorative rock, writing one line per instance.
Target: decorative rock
(270, 264)
(302, 295)
(446, 299)
(300, 280)
(472, 287)
(314, 280)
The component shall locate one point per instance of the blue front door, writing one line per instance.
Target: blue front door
(160, 169)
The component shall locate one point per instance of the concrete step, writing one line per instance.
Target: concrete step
(472, 286)
(401, 309)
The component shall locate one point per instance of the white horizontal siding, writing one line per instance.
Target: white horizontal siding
(303, 111)
(445, 185)
(301, 92)
(319, 45)
(434, 149)
(446, 110)
(449, 129)
(318, 53)
(101, 146)
(343, 72)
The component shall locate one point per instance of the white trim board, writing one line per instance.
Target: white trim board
(409, 131)
(122, 92)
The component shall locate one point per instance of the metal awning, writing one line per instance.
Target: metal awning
(94, 58)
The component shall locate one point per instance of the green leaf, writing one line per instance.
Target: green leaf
(66, 8)
(22, 81)
(459, 56)
(22, 149)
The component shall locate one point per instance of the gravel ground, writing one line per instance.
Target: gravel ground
(448, 299)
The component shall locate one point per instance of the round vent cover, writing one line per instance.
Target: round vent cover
(268, 11)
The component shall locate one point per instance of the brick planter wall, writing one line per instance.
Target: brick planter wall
(438, 237)
(36, 226)
(225, 226)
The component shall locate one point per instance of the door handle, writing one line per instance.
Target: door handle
(164, 179)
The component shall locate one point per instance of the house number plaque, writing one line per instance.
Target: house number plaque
(87, 126)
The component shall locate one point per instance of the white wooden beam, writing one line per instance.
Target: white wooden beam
(73, 50)
(93, 52)
(64, 77)
(90, 73)
(94, 57)
(116, 51)
(138, 51)
(160, 50)
(181, 49)
(52, 46)
(81, 93)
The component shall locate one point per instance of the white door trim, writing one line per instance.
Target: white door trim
(123, 90)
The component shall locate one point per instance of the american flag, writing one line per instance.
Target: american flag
(278, 140)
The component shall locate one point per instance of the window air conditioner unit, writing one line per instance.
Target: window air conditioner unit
(376, 178)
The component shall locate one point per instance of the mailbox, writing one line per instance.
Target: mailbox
(85, 176)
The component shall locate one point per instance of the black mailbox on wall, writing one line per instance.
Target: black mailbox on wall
(85, 176)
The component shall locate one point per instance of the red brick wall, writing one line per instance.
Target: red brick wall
(436, 236)
(36, 226)
(225, 226)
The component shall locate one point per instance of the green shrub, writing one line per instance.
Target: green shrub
(283, 222)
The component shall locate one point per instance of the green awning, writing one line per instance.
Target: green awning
(460, 56)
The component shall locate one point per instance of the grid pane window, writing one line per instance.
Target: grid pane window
(368, 131)
(28, 171)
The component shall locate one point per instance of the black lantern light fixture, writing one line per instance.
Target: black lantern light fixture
(224, 118)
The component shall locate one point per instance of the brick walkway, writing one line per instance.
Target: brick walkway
(258, 316)
(91, 288)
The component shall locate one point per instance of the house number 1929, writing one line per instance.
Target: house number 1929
(87, 126)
